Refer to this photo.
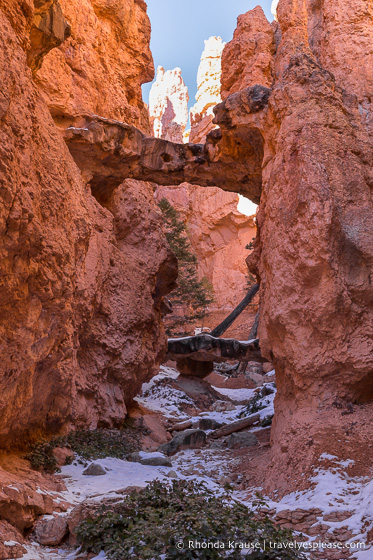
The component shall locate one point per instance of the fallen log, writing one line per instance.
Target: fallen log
(207, 348)
(235, 426)
(224, 325)
(181, 426)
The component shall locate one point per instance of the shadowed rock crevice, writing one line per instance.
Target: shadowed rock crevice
(49, 30)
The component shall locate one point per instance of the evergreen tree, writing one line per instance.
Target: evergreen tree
(192, 294)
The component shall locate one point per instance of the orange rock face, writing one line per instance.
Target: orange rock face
(218, 234)
(247, 59)
(350, 26)
(49, 30)
(81, 284)
(26, 494)
(100, 68)
(314, 251)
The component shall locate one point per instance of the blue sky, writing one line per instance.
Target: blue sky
(179, 28)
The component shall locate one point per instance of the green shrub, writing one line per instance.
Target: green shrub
(192, 294)
(41, 457)
(150, 523)
(254, 405)
(88, 445)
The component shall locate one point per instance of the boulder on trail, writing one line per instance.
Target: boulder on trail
(189, 439)
(94, 469)
(51, 532)
(155, 459)
(209, 424)
(241, 439)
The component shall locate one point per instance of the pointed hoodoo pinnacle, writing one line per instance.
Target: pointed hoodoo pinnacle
(168, 105)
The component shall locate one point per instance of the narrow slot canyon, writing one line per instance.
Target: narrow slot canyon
(186, 302)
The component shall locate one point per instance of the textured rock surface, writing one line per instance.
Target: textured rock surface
(14, 540)
(350, 26)
(314, 252)
(81, 285)
(109, 151)
(49, 30)
(208, 93)
(189, 439)
(27, 494)
(241, 439)
(168, 105)
(94, 469)
(247, 59)
(218, 234)
(51, 532)
(100, 68)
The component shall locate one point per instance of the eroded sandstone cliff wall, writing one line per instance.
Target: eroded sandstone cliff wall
(314, 250)
(218, 234)
(100, 68)
(81, 284)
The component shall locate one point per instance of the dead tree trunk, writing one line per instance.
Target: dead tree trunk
(241, 369)
(224, 325)
(254, 329)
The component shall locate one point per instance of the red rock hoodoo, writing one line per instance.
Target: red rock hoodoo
(208, 92)
(168, 105)
(314, 251)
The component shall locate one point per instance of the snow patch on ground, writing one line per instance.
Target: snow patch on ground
(268, 402)
(119, 475)
(236, 394)
(333, 490)
(37, 552)
(162, 398)
(224, 417)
